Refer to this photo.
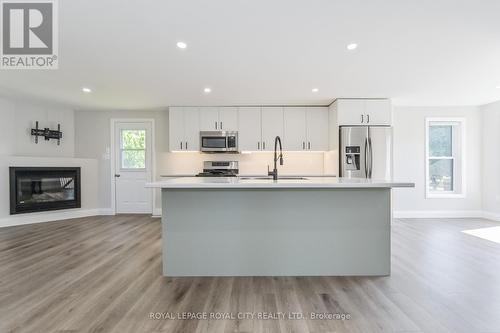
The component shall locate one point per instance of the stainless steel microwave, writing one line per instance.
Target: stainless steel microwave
(219, 141)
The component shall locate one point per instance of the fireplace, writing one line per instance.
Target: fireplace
(38, 189)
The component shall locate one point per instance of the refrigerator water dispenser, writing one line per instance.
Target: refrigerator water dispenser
(352, 158)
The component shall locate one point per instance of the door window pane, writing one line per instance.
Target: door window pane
(440, 140)
(441, 175)
(133, 159)
(133, 139)
(133, 149)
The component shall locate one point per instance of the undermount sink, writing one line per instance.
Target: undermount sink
(270, 178)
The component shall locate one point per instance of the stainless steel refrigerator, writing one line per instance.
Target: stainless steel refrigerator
(366, 152)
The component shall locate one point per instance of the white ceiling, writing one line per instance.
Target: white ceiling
(426, 52)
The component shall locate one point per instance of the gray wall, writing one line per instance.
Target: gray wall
(93, 140)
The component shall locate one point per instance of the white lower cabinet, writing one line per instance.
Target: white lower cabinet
(184, 129)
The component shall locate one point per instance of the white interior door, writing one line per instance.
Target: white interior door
(133, 159)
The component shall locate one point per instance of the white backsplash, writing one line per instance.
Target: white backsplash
(307, 163)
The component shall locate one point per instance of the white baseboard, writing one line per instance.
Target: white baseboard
(429, 214)
(491, 216)
(41, 217)
(156, 212)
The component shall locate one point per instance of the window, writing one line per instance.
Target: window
(133, 149)
(445, 170)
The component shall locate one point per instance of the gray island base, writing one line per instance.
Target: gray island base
(276, 231)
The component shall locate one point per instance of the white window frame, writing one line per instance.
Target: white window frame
(456, 164)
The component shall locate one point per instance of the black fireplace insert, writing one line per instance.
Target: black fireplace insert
(38, 189)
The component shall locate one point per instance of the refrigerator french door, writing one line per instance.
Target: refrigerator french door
(366, 152)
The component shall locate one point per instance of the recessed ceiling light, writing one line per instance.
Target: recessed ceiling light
(181, 45)
(352, 46)
(207, 90)
(87, 90)
(315, 90)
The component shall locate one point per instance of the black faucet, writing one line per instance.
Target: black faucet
(274, 173)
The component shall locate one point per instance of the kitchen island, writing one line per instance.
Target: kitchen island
(232, 226)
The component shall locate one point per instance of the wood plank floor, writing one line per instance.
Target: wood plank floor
(103, 274)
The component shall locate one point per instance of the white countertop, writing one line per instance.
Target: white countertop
(255, 175)
(239, 182)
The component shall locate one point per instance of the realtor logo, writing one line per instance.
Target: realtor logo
(29, 34)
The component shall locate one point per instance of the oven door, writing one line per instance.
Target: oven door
(213, 142)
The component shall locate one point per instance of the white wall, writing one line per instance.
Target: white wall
(18, 148)
(17, 119)
(491, 160)
(409, 163)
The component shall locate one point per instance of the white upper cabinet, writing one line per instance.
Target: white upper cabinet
(363, 112)
(350, 111)
(191, 129)
(317, 129)
(379, 112)
(218, 118)
(294, 128)
(272, 126)
(209, 119)
(228, 118)
(305, 128)
(249, 133)
(176, 128)
(184, 129)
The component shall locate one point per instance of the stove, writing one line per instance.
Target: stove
(219, 169)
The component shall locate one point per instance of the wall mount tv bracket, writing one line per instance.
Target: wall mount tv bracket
(47, 133)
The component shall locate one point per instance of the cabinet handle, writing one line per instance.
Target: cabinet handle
(181, 145)
(368, 118)
(309, 145)
(220, 125)
(264, 145)
(186, 145)
(303, 145)
(362, 118)
(215, 125)
(258, 145)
